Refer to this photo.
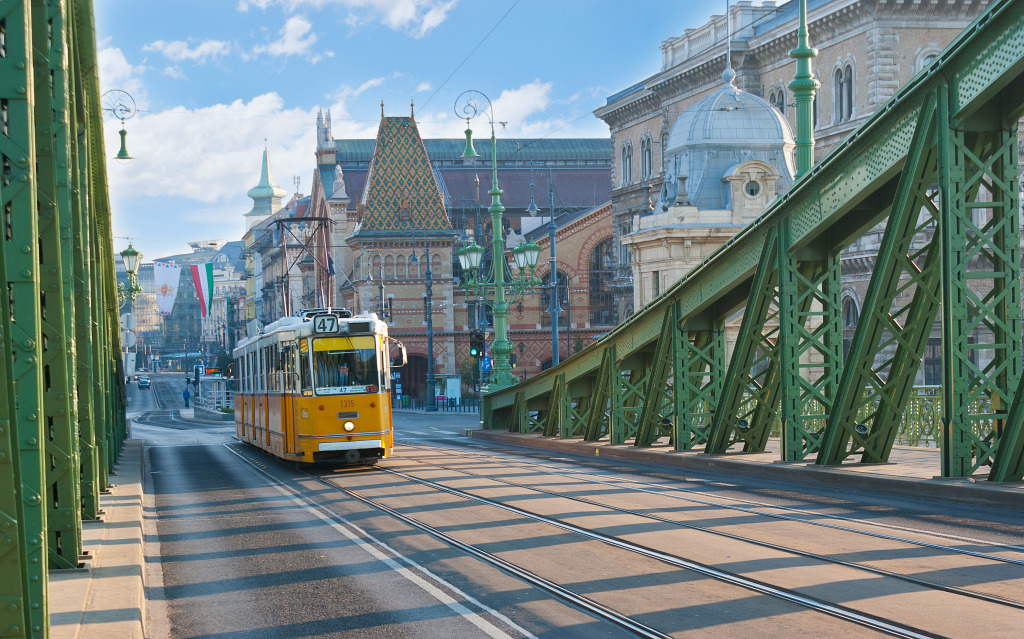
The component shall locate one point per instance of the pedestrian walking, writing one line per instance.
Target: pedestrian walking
(186, 395)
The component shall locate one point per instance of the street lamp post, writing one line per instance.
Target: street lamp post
(428, 311)
(468, 105)
(554, 304)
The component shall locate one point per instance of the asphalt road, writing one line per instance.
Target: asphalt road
(250, 547)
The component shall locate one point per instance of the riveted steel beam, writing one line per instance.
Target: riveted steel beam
(658, 392)
(863, 394)
(57, 319)
(698, 373)
(981, 305)
(745, 412)
(25, 610)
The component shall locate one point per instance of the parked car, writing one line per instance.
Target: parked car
(143, 382)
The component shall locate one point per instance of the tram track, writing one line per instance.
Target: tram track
(667, 491)
(927, 583)
(866, 620)
(861, 618)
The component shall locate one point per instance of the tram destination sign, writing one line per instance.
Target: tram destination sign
(325, 324)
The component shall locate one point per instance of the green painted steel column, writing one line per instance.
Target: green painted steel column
(981, 292)
(698, 371)
(53, 176)
(84, 273)
(25, 612)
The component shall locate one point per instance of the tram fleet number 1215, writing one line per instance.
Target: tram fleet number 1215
(317, 387)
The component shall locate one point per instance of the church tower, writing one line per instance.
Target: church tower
(402, 223)
(266, 196)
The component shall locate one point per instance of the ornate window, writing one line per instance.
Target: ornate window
(627, 163)
(400, 266)
(602, 270)
(646, 157)
(563, 299)
(842, 94)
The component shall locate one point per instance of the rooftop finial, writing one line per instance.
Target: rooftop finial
(412, 109)
(728, 75)
(382, 109)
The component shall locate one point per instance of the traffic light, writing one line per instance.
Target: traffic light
(476, 344)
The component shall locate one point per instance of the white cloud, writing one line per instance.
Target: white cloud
(423, 86)
(212, 153)
(369, 84)
(417, 17)
(175, 72)
(117, 73)
(179, 51)
(296, 38)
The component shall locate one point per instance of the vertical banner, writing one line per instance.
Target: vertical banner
(202, 275)
(165, 279)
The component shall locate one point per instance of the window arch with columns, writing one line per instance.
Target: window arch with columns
(843, 92)
(626, 165)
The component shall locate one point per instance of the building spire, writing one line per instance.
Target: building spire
(266, 196)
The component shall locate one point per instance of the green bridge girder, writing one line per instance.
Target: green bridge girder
(939, 164)
(62, 418)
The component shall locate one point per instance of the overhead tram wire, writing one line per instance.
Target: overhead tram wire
(470, 54)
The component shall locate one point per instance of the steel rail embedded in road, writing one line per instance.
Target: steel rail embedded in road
(600, 610)
(957, 590)
(638, 485)
(785, 594)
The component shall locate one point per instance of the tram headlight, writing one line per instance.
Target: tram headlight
(350, 426)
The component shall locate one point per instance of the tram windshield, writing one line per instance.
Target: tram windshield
(345, 365)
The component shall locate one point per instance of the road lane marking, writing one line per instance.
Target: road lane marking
(372, 546)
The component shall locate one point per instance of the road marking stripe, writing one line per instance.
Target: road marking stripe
(372, 546)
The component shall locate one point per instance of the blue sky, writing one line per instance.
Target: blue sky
(212, 80)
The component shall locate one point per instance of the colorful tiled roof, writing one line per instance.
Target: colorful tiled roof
(402, 192)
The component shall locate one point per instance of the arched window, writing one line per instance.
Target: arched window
(627, 163)
(415, 266)
(602, 270)
(848, 92)
(646, 157)
(837, 96)
(842, 94)
(400, 270)
(374, 267)
(850, 313)
(563, 299)
(850, 317)
(389, 267)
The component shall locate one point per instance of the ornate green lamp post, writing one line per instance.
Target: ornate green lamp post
(495, 284)
(131, 258)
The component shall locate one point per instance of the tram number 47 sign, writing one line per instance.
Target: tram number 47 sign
(325, 324)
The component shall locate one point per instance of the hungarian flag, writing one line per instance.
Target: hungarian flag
(202, 275)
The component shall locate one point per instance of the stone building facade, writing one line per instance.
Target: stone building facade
(867, 49)
(398, 197)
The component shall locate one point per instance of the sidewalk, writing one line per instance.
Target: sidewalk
(106, 597)
(911, 472)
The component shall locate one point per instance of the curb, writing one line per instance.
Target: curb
(106, 598)
(966, 491)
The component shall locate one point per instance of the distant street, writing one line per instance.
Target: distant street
(451, 538)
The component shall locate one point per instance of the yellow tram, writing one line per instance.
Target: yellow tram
(317, 387)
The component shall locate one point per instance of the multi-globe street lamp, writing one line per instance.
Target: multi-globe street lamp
(468, 106)
(554, 305)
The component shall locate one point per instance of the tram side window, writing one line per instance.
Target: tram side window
(305, 373)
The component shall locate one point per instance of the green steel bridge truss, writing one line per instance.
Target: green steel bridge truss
(62, 415)
(938, 164)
